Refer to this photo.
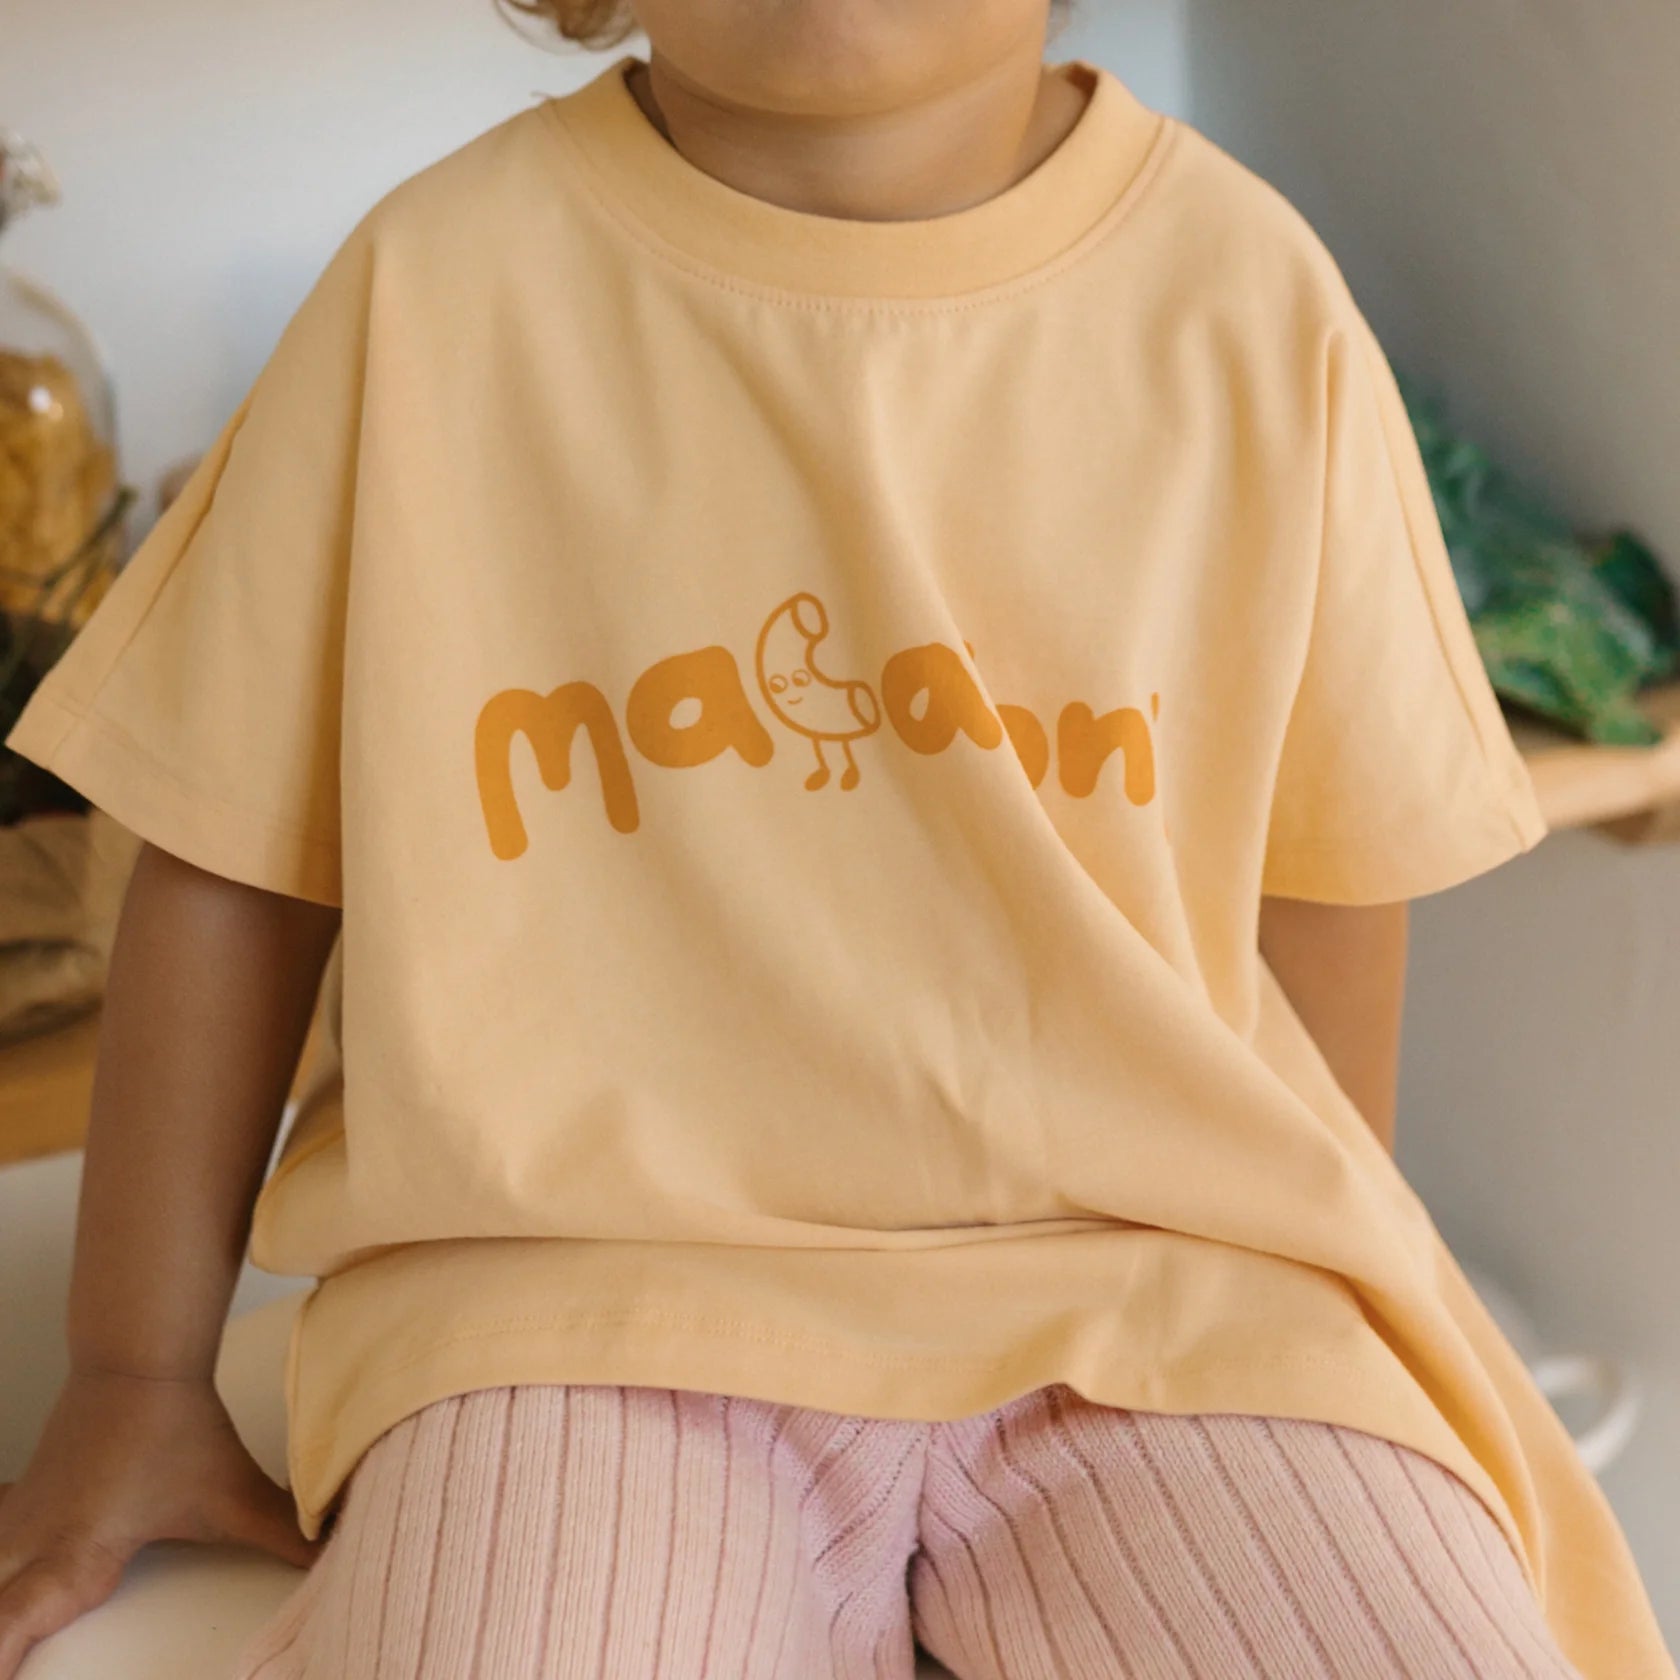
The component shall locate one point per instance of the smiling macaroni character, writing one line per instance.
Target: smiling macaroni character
(809, 702)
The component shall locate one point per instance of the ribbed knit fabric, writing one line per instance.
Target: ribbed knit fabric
(624, 1533)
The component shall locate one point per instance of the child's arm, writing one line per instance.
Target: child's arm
(1343, 969)
(210, 992)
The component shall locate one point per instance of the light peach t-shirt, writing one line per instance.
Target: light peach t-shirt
(800, 715)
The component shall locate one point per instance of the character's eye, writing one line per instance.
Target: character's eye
(801, 676)
(778, 683)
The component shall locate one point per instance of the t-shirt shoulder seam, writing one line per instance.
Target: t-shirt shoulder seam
(143, 612)
(1493, 762)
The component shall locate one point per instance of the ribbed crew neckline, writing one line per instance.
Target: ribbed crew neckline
(1005, 238)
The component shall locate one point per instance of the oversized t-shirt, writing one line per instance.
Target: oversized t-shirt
(800, 715)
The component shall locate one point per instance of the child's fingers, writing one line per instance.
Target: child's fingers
(48, 1594)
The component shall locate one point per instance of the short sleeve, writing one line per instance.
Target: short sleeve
(1397, 775)
(199, 705)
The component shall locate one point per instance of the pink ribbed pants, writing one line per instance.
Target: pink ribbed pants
(626, 1533)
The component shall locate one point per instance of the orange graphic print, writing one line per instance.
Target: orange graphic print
(928, 694)
(807, 700)
(548, 722)
(1084, 741)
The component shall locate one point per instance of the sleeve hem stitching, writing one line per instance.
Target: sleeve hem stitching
(1514, 816)
(99, 722)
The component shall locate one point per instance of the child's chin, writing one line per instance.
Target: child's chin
(815, 58)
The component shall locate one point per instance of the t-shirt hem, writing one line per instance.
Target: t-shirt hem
(94, 754)
(730, 1357)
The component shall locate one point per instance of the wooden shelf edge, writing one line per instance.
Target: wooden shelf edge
(1629, 793)
(46, 1087)
(46, 1084)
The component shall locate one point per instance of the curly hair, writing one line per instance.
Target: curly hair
(590, 23)
(601, 24)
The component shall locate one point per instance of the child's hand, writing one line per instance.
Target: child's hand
(124, 1460)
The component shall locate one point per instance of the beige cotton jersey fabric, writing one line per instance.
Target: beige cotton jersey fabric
(799, 715)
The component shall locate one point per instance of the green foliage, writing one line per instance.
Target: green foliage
(1569, 627)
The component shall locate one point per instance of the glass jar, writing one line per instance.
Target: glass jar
(63, 506)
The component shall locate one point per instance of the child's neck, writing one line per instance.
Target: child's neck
(955, 149)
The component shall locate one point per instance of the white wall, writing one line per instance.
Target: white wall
(212, 155)
(1498, 180)
(1141, 41)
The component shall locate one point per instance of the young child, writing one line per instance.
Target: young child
(834, 653)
